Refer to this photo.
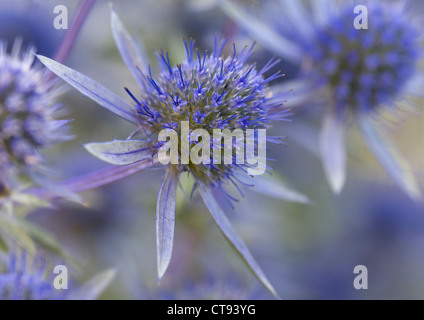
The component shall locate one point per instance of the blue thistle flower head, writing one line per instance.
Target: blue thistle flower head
(356, 59)
(364, 68)
(23, 277)
(25, 281)
(28, 110)
(206, 91)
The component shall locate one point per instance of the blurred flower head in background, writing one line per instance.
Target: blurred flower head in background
(26, 280)
(28, 112)
(363, 70)
(25, 277)
(356, 59)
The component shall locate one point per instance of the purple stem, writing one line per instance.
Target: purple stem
(96, 179)
(68, 41)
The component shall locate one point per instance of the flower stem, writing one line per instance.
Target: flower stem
(68, 41)
(96, 179)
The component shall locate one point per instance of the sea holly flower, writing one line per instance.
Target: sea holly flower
(26, 281)
(28, 113)
(29, 107)
(206, 92)
(29, 122)
(354, 73)
(28, 278)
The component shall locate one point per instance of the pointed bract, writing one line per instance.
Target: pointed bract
(94, 287)
(130, 52)
(298, 92)
(390, 158)
(298, 16)
(92, 89)
(230, 233)
(322, 10)
(121, 152)
(165, 220)
(274, 188)
(260, 31)
(333, 150)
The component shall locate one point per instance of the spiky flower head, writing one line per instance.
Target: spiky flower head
(26, 277)
(357, 59)
(28, 108)
(368, 67)
(27, 281)
(208, 92)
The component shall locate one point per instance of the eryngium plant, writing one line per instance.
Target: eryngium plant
(358, 63)
(207, 91)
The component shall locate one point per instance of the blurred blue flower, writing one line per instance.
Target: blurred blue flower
(207, 91)
(352, 72)
(27, 278)
(25, 281)
(28, 111)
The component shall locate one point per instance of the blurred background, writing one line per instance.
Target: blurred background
(307, 252)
